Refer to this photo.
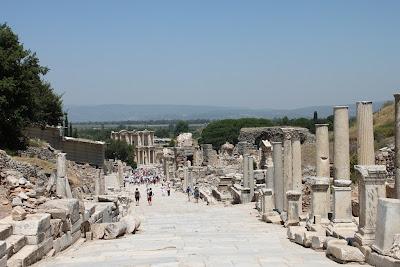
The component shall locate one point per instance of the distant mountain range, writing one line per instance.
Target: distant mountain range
(119, 112)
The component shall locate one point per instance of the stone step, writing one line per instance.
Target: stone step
(5, 231)
(14, 244)
(30, 254)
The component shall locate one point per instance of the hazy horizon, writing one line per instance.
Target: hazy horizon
(258, 54)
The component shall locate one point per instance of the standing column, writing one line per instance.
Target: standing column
(245, 171)
(270, 172)
(287, 168)
(278, 175)
(251, 176)
(322, 150)
(365, 133)
(397, 144)
(61, 175)
(342, 215)
(297, 170)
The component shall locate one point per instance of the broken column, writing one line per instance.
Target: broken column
(267, 203)
(287, 168)
(387, 225)
(322, 150)
(185, 178)
(278, 176)
(294, 207)
(371, 187)
(251, 176)
(297, 170)
(342, 219)
(397, 144)
(319, 201)
(61, 175)
(365, 133)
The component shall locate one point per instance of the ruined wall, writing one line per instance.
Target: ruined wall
(79, 150)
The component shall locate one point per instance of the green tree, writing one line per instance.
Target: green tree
(25, 97)
(117, 149)
(181, 127)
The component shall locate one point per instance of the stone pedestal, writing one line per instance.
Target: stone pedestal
(287, 169)
(387, 225)
(267, 201)
(365, 133)
(245, 195)
(371, 187)
(319, 203)
(294, 208)
(342, 224)
(278, 175)
(322, 150)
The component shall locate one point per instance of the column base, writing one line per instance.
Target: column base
(342, 230)
(364, 238)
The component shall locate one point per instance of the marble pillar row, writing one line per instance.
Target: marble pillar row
(365, 133)
(322, 150)
(397, 144)
(278, 175)
(287, 168)
(371, 187)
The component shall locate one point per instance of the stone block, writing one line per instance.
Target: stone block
(3, 248)
(317, 242)
(34, 224)
(39, 238)
(30, 254)
(375, 259)
(56, 227)
(114, 230)
(98, 230)
(62, 242)
(14, 244)
(5, 231)
(89, 236)
(292, 230)
(387, 225)
(344, 253)
(332, 240)
(76, 226)
(132, 223)
(70, 206)
(18, 213)
(55, 213)
(3, 261)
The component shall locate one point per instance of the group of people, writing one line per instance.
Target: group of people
(143, 176)
(196, 193)
(165, 190)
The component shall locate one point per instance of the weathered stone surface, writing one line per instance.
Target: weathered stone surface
(114, 230)
(5, 230)
(39, 238)
(56, 227)
(76, 226)
(14, 244)
(3, 248)
(132, 223)
(292, 230)
(331, 241)
(55, 213)
(30, 254)
(379, 260)
(344, 253)
(16, 201)
(317, 242)
(71, 207)
(18, 213)
(98, 230)
(34, 224)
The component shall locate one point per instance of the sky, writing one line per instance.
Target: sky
(257, 54)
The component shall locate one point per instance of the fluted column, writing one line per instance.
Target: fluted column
(287, 168)
(397, 145)
(365, 136)
(322, 150)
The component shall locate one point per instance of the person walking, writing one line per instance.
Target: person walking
(168, 190)
(188, 192)
(196, 194)
(150, 196)
(137, 196)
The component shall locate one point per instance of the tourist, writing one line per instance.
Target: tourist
(137, 196)
(196, 194)
(188, 192)
(168, 189)
(149, 196)
(163, 190)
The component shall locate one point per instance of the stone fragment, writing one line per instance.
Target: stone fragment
(98, 230)
(34, 224)
(18, 213)
(71, 206)
(114, 230)
(22, 181)
(5, 230)
(23, 196)
(16, 201)
(56, 227)
(132, 223)
(14, 244)
(344, 253)
(292, 230)
(55, 213)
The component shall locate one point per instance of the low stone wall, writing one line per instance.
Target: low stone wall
(78, 150)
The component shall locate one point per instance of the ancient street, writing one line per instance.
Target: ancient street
(177, 233)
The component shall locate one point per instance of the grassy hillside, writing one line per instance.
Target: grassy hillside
(383, 126)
